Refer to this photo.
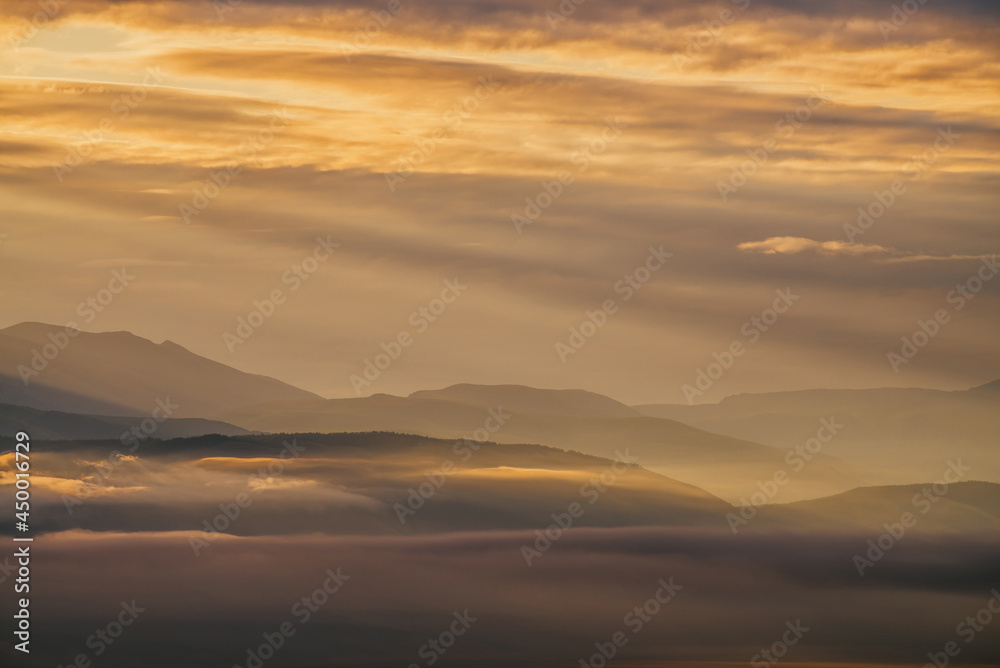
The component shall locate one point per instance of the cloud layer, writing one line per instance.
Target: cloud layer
(708, 129)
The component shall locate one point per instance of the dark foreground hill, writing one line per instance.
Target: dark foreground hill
(56, 425)
(372, 483)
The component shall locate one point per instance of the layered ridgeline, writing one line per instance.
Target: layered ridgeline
(117, 373)
(791, 445)
(902, 435)
(572, 419)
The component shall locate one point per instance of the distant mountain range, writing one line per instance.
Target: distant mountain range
(901, 435)
(726, 466)
(730, 449)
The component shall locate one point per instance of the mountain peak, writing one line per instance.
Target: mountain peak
(120, 373)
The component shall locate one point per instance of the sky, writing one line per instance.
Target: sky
(569, 195)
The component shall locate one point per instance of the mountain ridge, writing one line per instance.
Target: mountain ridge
(119, 373)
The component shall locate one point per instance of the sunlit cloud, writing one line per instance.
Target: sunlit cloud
(795, 245)
(792, 245)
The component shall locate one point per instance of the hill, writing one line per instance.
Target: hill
(370, 483)
(965, 507)
(55, 425)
